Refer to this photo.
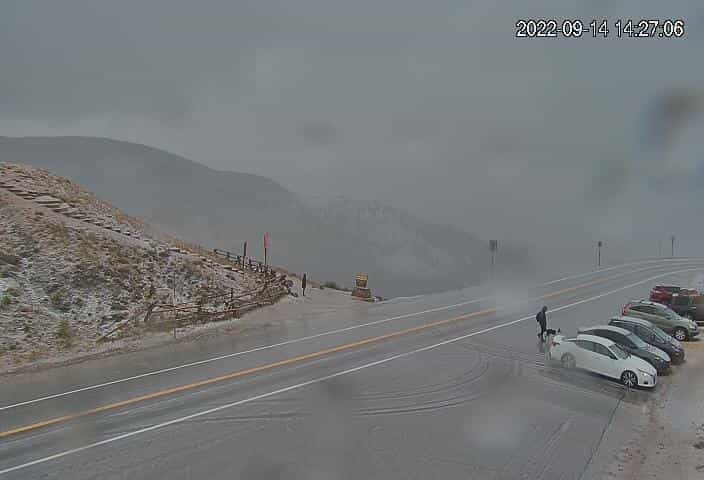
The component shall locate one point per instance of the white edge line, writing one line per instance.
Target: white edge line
(643, 262)
(302, 339)
(322, 379)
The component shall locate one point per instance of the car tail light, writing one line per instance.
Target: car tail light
(623, 312)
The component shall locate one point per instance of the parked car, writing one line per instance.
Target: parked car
(689, 306)
(663, 293)
(664, 317)
(633, 344)
(601, 355)
(653, 335)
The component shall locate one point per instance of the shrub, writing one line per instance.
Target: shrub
(5, 301)
(58, 302)
(34, 355)
(332, 285)
(9, 258)
(64, 333)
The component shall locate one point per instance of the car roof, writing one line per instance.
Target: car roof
(593, 338)
(638, 321)
(610, 328)
(645, 302)
(686, 292)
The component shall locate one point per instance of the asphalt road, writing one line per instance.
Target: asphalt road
(443, 386)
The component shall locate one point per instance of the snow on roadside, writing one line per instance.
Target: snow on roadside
(659, 435)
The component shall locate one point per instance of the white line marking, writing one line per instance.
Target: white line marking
(643, 262)
(303, 339)
(324, 378)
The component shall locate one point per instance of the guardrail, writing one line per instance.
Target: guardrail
(249, 263)
(207, 308)
(223, 305)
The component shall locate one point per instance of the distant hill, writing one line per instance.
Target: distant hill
(331, 240)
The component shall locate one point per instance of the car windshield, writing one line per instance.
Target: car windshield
(637, 341)
(667, 313)
(618, 351)
(660, 334)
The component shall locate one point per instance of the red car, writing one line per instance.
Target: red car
(663, 293)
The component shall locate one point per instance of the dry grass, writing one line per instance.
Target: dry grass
(65, 334)
(10, 259)
(35, 355)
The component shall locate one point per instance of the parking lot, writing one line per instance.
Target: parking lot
(661, 435)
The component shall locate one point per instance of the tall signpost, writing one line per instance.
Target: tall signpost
(493, 246)
(599, 244)
(266, 249)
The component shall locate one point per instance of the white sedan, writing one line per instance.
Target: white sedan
(603, 356)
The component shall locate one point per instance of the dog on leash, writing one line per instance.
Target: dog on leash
(550, 331)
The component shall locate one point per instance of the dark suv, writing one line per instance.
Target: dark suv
(664, 317)
(633, 344)
(652, 335)
(689, 306)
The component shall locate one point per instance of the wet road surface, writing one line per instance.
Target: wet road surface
(445, 386)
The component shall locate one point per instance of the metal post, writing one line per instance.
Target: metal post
(598, 253)
(493, 246)
(672, 246)
(659, 248)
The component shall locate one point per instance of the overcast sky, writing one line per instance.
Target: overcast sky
(432, 106)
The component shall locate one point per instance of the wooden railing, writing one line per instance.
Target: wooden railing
(248, 263)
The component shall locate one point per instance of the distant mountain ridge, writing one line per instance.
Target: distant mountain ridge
(330, 239)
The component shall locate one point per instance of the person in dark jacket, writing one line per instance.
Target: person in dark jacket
(304, 282)
(543, 322)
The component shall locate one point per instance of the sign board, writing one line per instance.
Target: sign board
(361, 280)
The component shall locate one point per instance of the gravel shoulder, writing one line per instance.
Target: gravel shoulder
(662, 438)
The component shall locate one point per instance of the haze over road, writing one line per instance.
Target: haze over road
(441, 386)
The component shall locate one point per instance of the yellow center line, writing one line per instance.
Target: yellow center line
(281, 363)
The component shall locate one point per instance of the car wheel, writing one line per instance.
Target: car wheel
(680, 334)
(567, 360)
(629, 379)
